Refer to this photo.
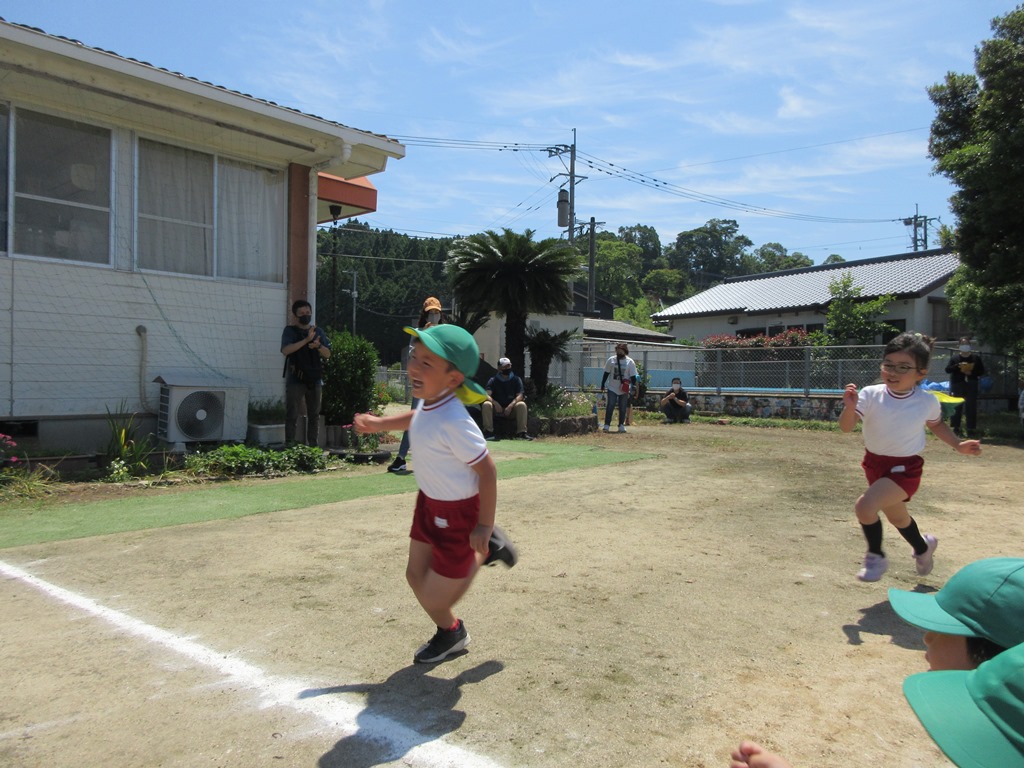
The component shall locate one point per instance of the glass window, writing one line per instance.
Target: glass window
(175, 209)
(250, 221)
(5, 123)
(61, 188)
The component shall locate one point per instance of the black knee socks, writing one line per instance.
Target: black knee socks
(914, 537)
(873, 533)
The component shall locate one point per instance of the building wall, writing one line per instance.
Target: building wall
(77, 349)
(914, 314)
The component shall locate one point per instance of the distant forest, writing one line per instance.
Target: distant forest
(395, 272)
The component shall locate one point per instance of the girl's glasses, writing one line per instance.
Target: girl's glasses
(900, 369)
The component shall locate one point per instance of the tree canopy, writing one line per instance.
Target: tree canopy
(977, 141)
(513, 276)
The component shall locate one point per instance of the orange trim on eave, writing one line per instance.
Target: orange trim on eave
(358, 193)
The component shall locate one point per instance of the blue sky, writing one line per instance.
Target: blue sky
(815, 110)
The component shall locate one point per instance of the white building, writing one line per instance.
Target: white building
(152, 225)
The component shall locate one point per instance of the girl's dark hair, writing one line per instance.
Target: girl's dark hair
(915, 344)
(981, 649)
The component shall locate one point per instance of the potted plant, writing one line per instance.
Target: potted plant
(266, 421)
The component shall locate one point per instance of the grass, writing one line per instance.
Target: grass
(48, 520)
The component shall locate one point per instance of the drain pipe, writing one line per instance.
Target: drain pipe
(141, 330)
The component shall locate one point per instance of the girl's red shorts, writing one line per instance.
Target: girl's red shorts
(905, 471)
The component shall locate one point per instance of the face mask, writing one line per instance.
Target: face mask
(504, 375)
(675, 387)
(305, 319)
(964, 349)
(433, 317)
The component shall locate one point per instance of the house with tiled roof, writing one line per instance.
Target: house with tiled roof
(773, 302)
(154, 230)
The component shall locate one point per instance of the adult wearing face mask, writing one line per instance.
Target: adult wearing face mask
(429, 317)
(305, 347)
(965, 370)
(676, 404)
(506, 397)
(620, 375)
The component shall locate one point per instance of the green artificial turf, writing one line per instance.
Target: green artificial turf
(35, 522)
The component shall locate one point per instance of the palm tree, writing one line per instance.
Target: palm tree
(544, 347)
(511, 275)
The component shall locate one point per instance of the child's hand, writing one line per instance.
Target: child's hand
(850, 396)
(480, 538)
(969, 447)
(365, 423)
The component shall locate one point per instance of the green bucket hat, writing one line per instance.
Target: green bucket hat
(976, 717)
(458, 347)
(982, 599)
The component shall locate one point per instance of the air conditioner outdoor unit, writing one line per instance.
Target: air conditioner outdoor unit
(190, 414)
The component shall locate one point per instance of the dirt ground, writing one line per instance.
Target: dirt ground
(662, 610)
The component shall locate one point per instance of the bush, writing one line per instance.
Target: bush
(350, 378)
(241, 460)
(556, 402)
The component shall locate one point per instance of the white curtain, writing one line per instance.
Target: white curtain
(250, 221)
(175, 209)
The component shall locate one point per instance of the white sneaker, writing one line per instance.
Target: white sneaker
(604, 428)
(926, 561)
(622, 428)
(874, 567)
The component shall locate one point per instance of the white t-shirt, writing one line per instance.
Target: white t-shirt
(894, 424)
(446, 443)
(612, 367)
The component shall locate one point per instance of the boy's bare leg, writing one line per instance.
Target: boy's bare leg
(437, 594)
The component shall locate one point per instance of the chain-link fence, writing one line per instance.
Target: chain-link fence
(792, 370)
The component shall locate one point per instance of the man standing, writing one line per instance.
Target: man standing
(965, 370)
(506, 398)
(676, 404)
(306, 347)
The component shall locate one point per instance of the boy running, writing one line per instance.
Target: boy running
(453, 530)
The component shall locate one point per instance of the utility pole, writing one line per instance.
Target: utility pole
(920, 225)
(354, 293)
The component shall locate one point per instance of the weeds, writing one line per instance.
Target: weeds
(241, 460)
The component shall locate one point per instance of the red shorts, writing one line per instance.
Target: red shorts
(446, 526)
(905, 471)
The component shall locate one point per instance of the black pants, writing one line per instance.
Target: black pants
(968, 407)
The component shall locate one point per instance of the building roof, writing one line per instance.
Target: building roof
(40, 67)
(907, 275)
(614, 329)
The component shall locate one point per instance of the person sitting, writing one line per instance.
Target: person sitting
(676, 404)
(506, 397)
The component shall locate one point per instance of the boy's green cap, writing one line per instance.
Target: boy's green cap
(982, 599)
(458, 347)
(976, 717)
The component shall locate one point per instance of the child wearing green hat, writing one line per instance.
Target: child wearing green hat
(453, 531)
(969, 625)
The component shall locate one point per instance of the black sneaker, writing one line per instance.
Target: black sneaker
(524, 436)
(501, 549)
(443, 644)
(398, 465)
(489, 436)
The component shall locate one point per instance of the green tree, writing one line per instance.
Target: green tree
(834, 258)
(618, 267)
(661, 284)
(638, 313)
(773, 257)
(851, 318)
(511, 275)
(649, 242)
(710, 253)
(977, 142)
(544, 347)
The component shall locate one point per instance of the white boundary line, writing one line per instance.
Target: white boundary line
(402, 741)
